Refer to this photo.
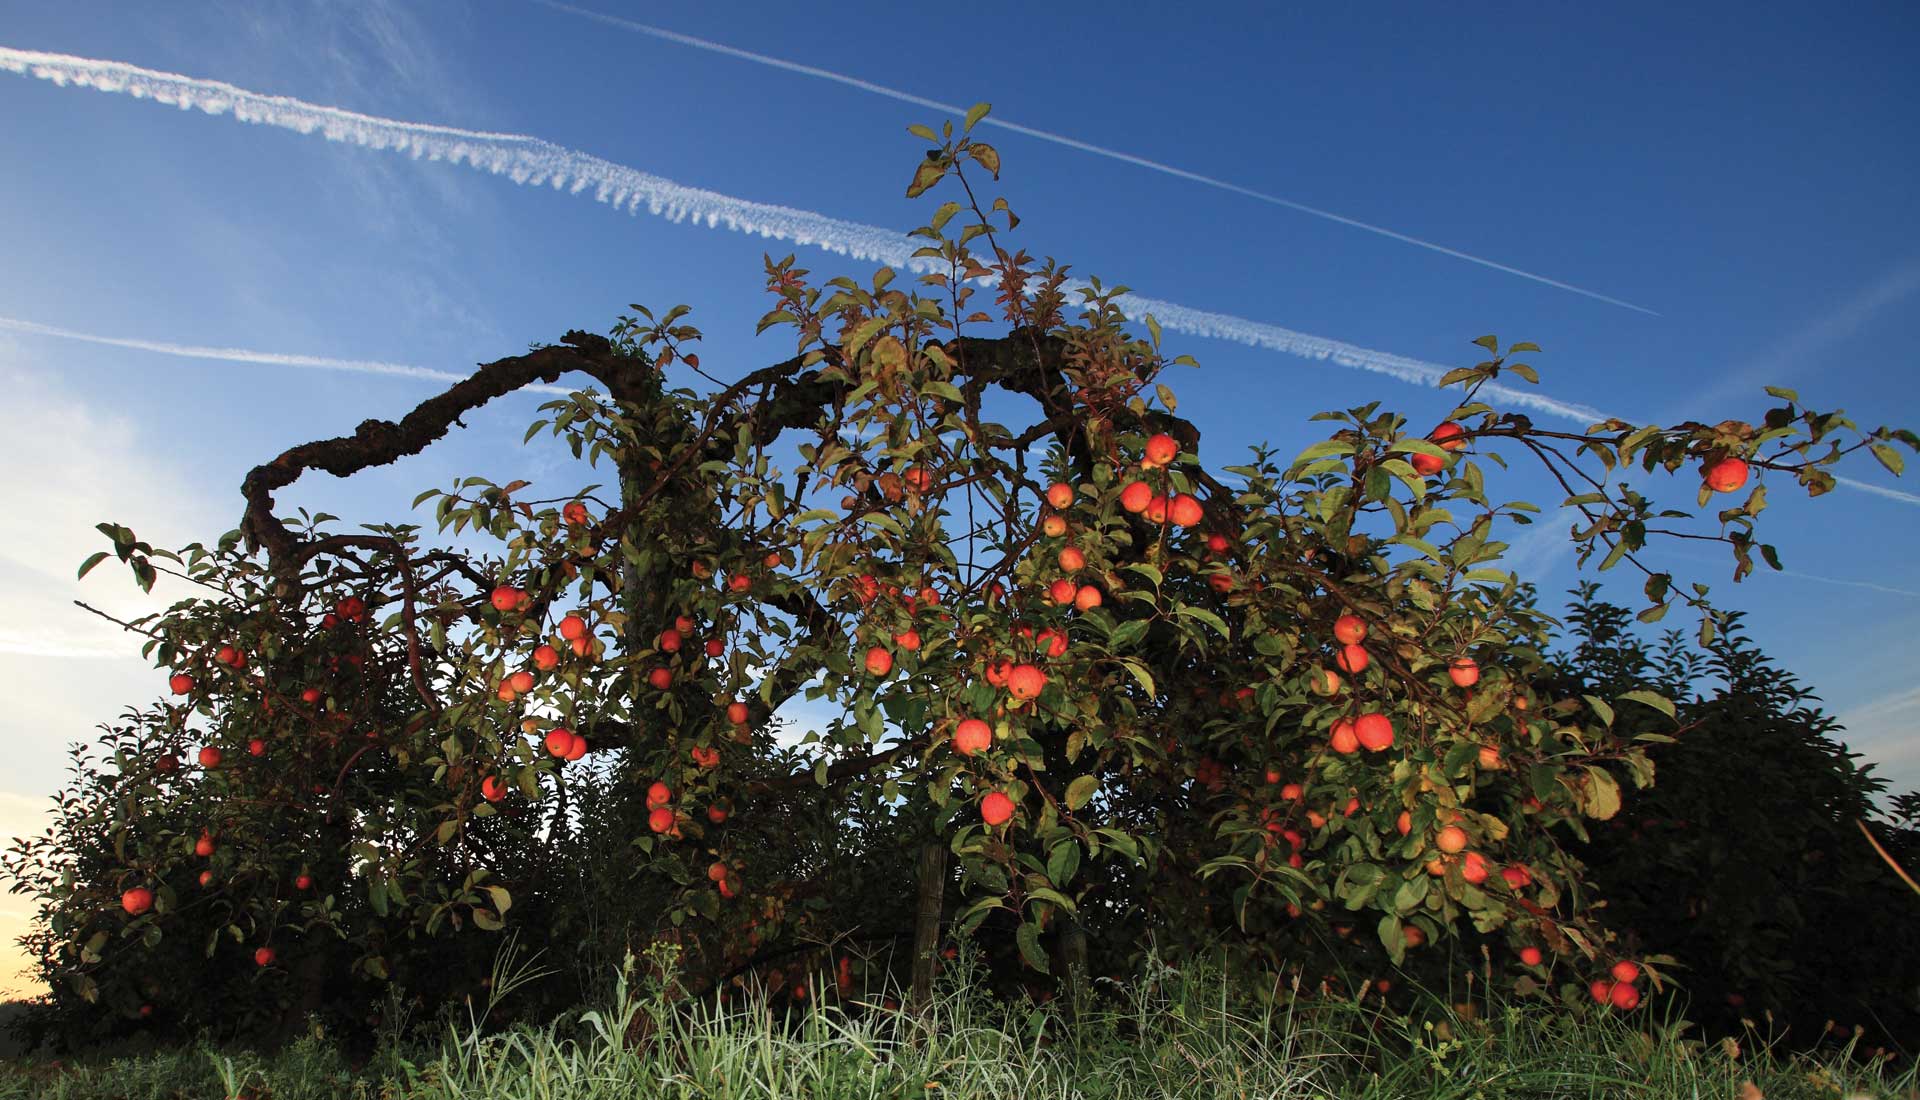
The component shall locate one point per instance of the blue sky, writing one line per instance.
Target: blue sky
(1744, 173)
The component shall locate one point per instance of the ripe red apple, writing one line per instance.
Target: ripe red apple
(737, 713)
(1517, 876)
(716, 871)
(507, 598)
(559, 741)
(136, 901)
(203, 847)
(1053, 527)
(1624, 996)
(1156, 510)
(263, 956)
(180, 683)
(521, 681)
(669, 641)
(166, 763)
(303, 882)
(1473, 868)
(1426, 465)
(1350, 630)
(257, 747)
(996, 809)
(1530, 956)
(1343, 738)
(310, 696)
(705, 756)
(1463, 671)
(1217, 543)
(1413, 935)
(1352, 659)
(1726, 475)
(879, 661)
(1062, 591)
(209, 757)
(683, 624)
(1136, 496)
(661, 678)
(908, 640)
(575, 514)
(715, 647)
(1053, 641)
(573, 627)
(1448, 436)
(1161, 450)
(972, 735)
(1626, 971)
(578, 749)
(1452, 839)
(1292, 792)
(1404, 823)
(546, 658)
(1185, 511)
(493, 788)
(658, 795)
(739, 582)
(1025, 682)
(1375, 731)
(1072, 560)
(1060, 495)
(1087, 598)
(660, 819)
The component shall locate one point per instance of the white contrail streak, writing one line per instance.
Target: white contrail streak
(243, 355)
(1074, 143)
(529, 160)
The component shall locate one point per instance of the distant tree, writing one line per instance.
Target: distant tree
(1745, 860)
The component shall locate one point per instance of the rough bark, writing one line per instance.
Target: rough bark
(932, 883)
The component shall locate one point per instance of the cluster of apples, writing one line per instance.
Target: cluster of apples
(1140, 498)
(1618, 988)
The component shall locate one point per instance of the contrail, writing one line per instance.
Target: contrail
(242, 355)
(1083, 146)
(529, 160)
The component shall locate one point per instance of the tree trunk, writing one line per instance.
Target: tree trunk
(932, 878)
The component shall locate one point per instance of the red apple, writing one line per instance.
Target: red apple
(507, 598)
(737, 713)
(1726, 475)
(1072, 559)
(1530, 956)
(1349, 630)
(136, 901)
(263, 956)
(1060, 495)
(996, 808)
(493, 788)
(1352, 659)
(546, 658)
(1463, 671)
(1343, 738)
(1025, 682)
(573, 627)
(209, 757)
(908, 640)
(559, 741)
(1161, 450)
(660, 820)
(1136, 496)
(879, 661)
(1375, 731)
(1185, 511)
(180, 683)
(1448, 436)
(575, 514)
(661, 678)
(972, 735)
(669, 641)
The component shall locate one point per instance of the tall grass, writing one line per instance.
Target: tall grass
(1170, 1033)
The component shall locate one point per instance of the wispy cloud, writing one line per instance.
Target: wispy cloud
(243, 355)
(896, 94)
(533, 161)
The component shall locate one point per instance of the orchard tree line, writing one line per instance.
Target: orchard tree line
(1292, 710)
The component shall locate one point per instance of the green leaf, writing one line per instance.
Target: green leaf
(488, 919)
(923, 132)
(987, 155)
(1127, 633)
(1490, 342)
(87, 566)
(1600, 798)
(1080, 791)
(1889, 458)
(1206, 617)
(975, 113)
(1140, 673)
(929, 173)
(502, 900)
(1601, 709)
(1653, 699)
(1029, 940)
